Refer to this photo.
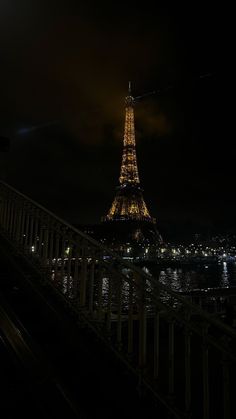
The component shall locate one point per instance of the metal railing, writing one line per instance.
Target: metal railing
(183, 355)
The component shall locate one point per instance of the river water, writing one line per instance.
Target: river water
(195, 277)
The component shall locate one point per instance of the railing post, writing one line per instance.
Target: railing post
(11, 219)
(18, 229)
(6, 213)
(130, 320)
(156, 333)
(99, 298)
(14, 220)
(108, 319)
(76, 273)
(8, 209)
(45, 245)
(142, 325)
(205, 372)
(22, 225)
(51, 248)
(187, 345)
(226, 386)
(26, 232)
(62, 268)
(83, 275)
(1, 209)
(171, 357)
(91, 284)
(36, 228)
(32, 220)
(56, 255)
(119, 311)
(156, 342)
(40, 241)
(68, 270)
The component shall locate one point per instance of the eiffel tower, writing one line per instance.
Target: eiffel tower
(128, 212)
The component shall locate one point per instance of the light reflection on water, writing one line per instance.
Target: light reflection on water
(182, 279)
(225, 276)
(186, 279)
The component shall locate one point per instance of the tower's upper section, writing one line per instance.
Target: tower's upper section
(129, 169)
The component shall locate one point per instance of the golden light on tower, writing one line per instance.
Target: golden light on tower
(129, 169)
(128, 203)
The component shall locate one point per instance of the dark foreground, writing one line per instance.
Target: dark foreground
(52, 367)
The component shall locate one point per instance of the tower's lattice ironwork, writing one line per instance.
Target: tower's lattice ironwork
(128, 203)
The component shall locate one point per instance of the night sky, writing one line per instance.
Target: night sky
(65, 67)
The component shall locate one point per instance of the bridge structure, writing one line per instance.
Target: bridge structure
(180, 354)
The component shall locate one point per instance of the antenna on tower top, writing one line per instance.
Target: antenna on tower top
(129, 87)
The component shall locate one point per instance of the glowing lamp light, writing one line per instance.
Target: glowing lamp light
(67, 251)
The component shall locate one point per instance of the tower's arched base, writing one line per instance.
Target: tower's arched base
(132, 238)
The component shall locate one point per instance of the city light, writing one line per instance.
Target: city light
(67, 251)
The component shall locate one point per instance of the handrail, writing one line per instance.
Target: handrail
(118, 299)
(194, 308)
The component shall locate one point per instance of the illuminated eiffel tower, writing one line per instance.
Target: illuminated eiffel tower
(128, 208)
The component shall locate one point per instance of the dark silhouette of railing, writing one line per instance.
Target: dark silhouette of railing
(180, 353)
